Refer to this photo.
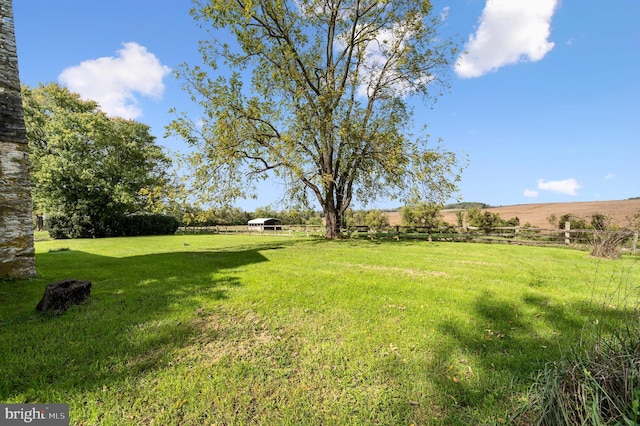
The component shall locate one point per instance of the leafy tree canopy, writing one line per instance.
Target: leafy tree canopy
(486, 220)
(422, 214)
(326, 111)
(374, 219)
(86, 164)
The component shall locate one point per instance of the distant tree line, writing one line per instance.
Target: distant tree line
(466, 205)
(229, 216)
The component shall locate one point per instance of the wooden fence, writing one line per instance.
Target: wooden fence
(506, 235)
(279, 230)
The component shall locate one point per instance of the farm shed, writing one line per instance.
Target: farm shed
(265, 224)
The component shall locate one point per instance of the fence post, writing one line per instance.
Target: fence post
(635, 242)
(516, 233)
(567, 234)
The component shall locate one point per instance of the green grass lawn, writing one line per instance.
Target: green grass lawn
(212, 329)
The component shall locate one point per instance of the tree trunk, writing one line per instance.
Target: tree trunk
(16, 229)
(332, 215)
(332, 223)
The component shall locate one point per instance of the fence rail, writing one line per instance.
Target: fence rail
(280, 230)
(506, 235)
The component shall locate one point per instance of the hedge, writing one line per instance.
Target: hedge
(82, 226)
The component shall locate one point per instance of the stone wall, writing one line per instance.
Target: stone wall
(16, 227)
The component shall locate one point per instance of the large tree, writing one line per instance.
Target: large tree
(327, 111)
(88, 165)
(16, 227)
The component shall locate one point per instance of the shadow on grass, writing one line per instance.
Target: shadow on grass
(509, 344)
(140, 311)
(375, 242)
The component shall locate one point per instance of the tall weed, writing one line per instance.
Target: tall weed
(598, 382)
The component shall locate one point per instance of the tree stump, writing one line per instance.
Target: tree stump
(60, 295)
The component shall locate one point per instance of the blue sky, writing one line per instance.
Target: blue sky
(546, 103)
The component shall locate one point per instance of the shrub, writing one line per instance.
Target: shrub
(74, 226)
(354, 218)
(576, 222)
(422, 214)
(375, 219)
(487, 221)
(149, 224)
(600, 221)
(57, 226)
(608, 244)
(78, 226)
(514, 221)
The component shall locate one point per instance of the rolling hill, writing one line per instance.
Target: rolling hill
(536, 214)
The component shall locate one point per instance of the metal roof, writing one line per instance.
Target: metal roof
(263, 220)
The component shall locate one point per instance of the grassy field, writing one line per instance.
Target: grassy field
(212, 329)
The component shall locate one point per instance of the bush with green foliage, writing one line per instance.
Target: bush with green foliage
(460, 218)
(353, 218)
(600, 222)
(487, 221)
(149, 224)
(376, 220)
(63, 227)
(79, 226)
(575, 222)
(422, 214)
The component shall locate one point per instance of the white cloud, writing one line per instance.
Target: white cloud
(381, 67)
(509, 31)
(530, 193)
(444, 14)
(376, 62)
(115, 82)
(609, 176)
(567, 186)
